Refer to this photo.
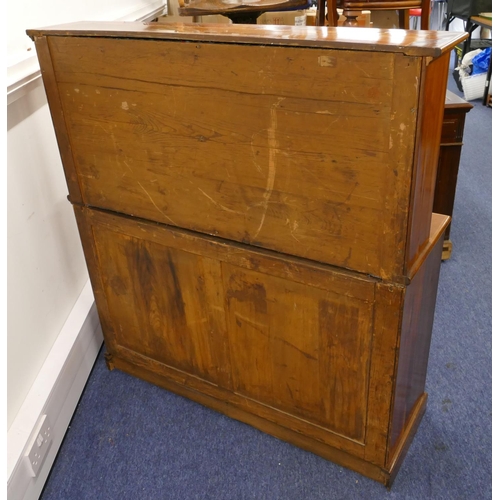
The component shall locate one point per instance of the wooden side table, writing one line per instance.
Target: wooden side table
(239, 11)
(450, 150)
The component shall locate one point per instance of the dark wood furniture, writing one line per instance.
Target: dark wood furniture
(353, 8)
(237, 10)
(255, 208)
(455, 110)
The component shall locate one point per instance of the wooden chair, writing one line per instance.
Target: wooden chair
(352, 9)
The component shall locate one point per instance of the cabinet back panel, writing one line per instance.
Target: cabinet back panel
(165, 304)
(261, 145)
(301, 349)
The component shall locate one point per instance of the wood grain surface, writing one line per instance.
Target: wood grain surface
(252, 146)
(246, 321)
(420, 43)
(426, 156)
(416, 332)
(452, 131)
(255, 209)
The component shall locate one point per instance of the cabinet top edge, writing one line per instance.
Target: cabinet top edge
(414, 43)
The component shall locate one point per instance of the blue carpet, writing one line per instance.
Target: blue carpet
(130, 440)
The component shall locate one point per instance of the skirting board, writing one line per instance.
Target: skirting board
(55, 393)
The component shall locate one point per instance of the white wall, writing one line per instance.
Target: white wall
(28, 14)
(46, 269)
(53, 333)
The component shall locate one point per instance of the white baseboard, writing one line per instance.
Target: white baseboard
(55, 393)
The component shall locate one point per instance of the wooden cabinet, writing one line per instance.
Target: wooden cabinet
(255, 208)
(455, 111)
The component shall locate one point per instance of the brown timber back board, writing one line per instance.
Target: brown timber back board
(255, 207)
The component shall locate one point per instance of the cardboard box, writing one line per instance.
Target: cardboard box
(289, 17)
(311, 17)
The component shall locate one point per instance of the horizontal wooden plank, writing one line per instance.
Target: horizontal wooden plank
(280, 71)
(335, 280)
(420, 43)
(280, 424)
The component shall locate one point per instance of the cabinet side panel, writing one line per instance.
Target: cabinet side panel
(426, 158)
(416, 331)
(284, 148)
(83, 219)
(58, 118)
(387, 325)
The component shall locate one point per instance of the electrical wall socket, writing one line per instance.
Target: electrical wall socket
(39, 446)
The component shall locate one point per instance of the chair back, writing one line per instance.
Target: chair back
(352, 8)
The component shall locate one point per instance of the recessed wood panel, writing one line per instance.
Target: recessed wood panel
(165, 304)
(302, 349)
(416, 331)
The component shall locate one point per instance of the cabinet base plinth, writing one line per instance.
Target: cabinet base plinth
(335, 455)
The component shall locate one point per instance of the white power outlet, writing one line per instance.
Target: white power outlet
(39, 446)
